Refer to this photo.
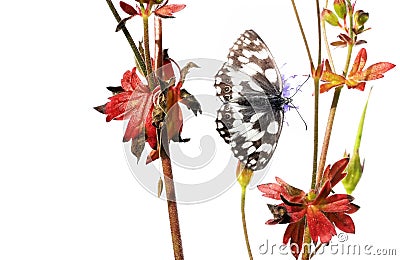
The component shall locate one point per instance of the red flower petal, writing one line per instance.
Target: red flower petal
(295, 232)
(323, 193)
(167, 11)
(337, 173)
(291, 193)
(336, 203)
(151, 132)
(342, 222)
(117, 108)
(374, 71)
(360, 86)
(127, 8)
(359, 62)
(319, 225)
(130, 80)
(271, 190)
(332, 79)
(352, 208)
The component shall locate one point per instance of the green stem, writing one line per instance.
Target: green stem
(316, 129)
(128, 36)
(303, 34)
(246, 237)
(327, 46)
(147, 56)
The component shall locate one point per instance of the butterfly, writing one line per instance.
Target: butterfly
(251, 116)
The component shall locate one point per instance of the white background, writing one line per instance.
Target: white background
(66, 191)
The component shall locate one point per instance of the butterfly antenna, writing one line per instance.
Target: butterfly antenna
(304, 121)
(299, 87)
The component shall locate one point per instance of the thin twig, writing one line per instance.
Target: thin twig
(303, 34)
(128, 36)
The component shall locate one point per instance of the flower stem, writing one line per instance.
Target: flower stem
(303, 34)
(307, 242)
(128, 36)
(147, 56)
(158, 51)
(171, 202)
(335, 100)
(166, 161)
(246, 237)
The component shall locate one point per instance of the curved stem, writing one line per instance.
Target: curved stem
(246, 237)
(128, 36)
(327, 47)
(303, 35)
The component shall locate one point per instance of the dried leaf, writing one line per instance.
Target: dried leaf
(115, 90)
(190, 102)
(185, 70)
(160, 187)
(137, 144)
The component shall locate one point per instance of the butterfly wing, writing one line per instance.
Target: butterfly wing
(250, 68)
(251, 118)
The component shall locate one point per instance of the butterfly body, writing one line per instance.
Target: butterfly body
(250, 85)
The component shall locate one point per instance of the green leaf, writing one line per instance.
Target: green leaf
(355, 167)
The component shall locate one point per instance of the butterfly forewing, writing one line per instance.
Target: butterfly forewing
(251, 118)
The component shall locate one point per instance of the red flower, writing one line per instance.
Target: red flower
(320, 210)
(357, 76)
(133, 101)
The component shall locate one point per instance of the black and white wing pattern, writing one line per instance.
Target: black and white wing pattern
(250, 85)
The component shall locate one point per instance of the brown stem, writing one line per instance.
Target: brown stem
(158, 52)
(327, 137)
(171, 201)
(165, 160)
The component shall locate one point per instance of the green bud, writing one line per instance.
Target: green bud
(329, 17)
(340, 8)
(243, 175)
(355, 168)
(354, 173)
(361, 17)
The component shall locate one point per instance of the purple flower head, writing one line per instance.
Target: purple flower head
(289, 90)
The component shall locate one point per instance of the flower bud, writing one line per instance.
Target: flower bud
(329, 17)
(340, 8)
(360, 17)
(243, 175)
